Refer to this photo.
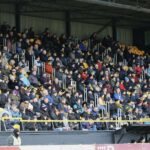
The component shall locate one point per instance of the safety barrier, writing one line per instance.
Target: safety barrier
(96, 100)
(85, 94)
(101, 119)
(119, 117)
(115, 58)
(118, 122)
(64, 81)
(142, 75)
(125, 62)
(74, 86)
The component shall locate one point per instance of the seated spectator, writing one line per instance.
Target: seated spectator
(33, 79)
(60, 78)
(118, 95)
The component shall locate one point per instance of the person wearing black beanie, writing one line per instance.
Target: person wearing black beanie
(14, 139)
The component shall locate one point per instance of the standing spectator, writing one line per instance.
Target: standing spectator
(14, 139)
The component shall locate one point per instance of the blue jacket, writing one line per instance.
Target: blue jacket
(118, 96)
(24, 79)
(51, 100)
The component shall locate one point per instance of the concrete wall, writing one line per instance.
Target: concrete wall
(58, 138)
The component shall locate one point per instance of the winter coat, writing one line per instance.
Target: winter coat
(14, 141)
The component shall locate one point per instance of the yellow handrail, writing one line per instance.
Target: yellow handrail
(78, 121)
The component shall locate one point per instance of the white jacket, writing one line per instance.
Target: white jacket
(13, 141)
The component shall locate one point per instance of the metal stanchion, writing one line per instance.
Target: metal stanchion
(38, 70)
(124, 63)
(108, 108)
(114, 60)
(102, 56)
(85, 94)
(14, 48)
(60, 83)
(96, 100)
(23, 54)
(119, 117)
(53, 74)
(74, 85)
(107, 51)
(33, 59)
(27, 66)
(18, 57)
(64, 82)
(131, 118)
(116, 55)
(76, 41)
(43, 67)
(4, 42)
(143, 75)
(48, 77)
(102, 113)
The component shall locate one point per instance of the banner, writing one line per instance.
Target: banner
(123, 147)
(81, 147)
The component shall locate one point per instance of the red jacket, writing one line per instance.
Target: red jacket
(122, 87)
(84, 75)
(138, 70)
(99, 66)
(48, 68)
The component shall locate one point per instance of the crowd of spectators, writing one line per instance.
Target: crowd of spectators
(36, 74)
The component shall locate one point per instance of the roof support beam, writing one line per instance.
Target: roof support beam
(68, 24)
(17, 17)
(116, 5)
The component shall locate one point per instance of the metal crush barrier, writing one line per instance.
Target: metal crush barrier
(124, 62)
(4, 42)
(74, 86)
(108, 109)
(142, 76)
(33, 59)
(103, 55)
(115, 58)
(96, 100)
(43, 67)
(64, 81)
(27, 66)
(85, 94)
(53, 75)
(118, 121)
(118, 117)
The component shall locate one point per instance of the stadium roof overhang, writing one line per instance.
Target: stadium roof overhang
(133, 13)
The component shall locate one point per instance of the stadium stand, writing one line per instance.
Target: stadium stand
(49, 77)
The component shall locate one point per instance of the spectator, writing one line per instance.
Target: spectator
(14, 140)
(65, 80)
